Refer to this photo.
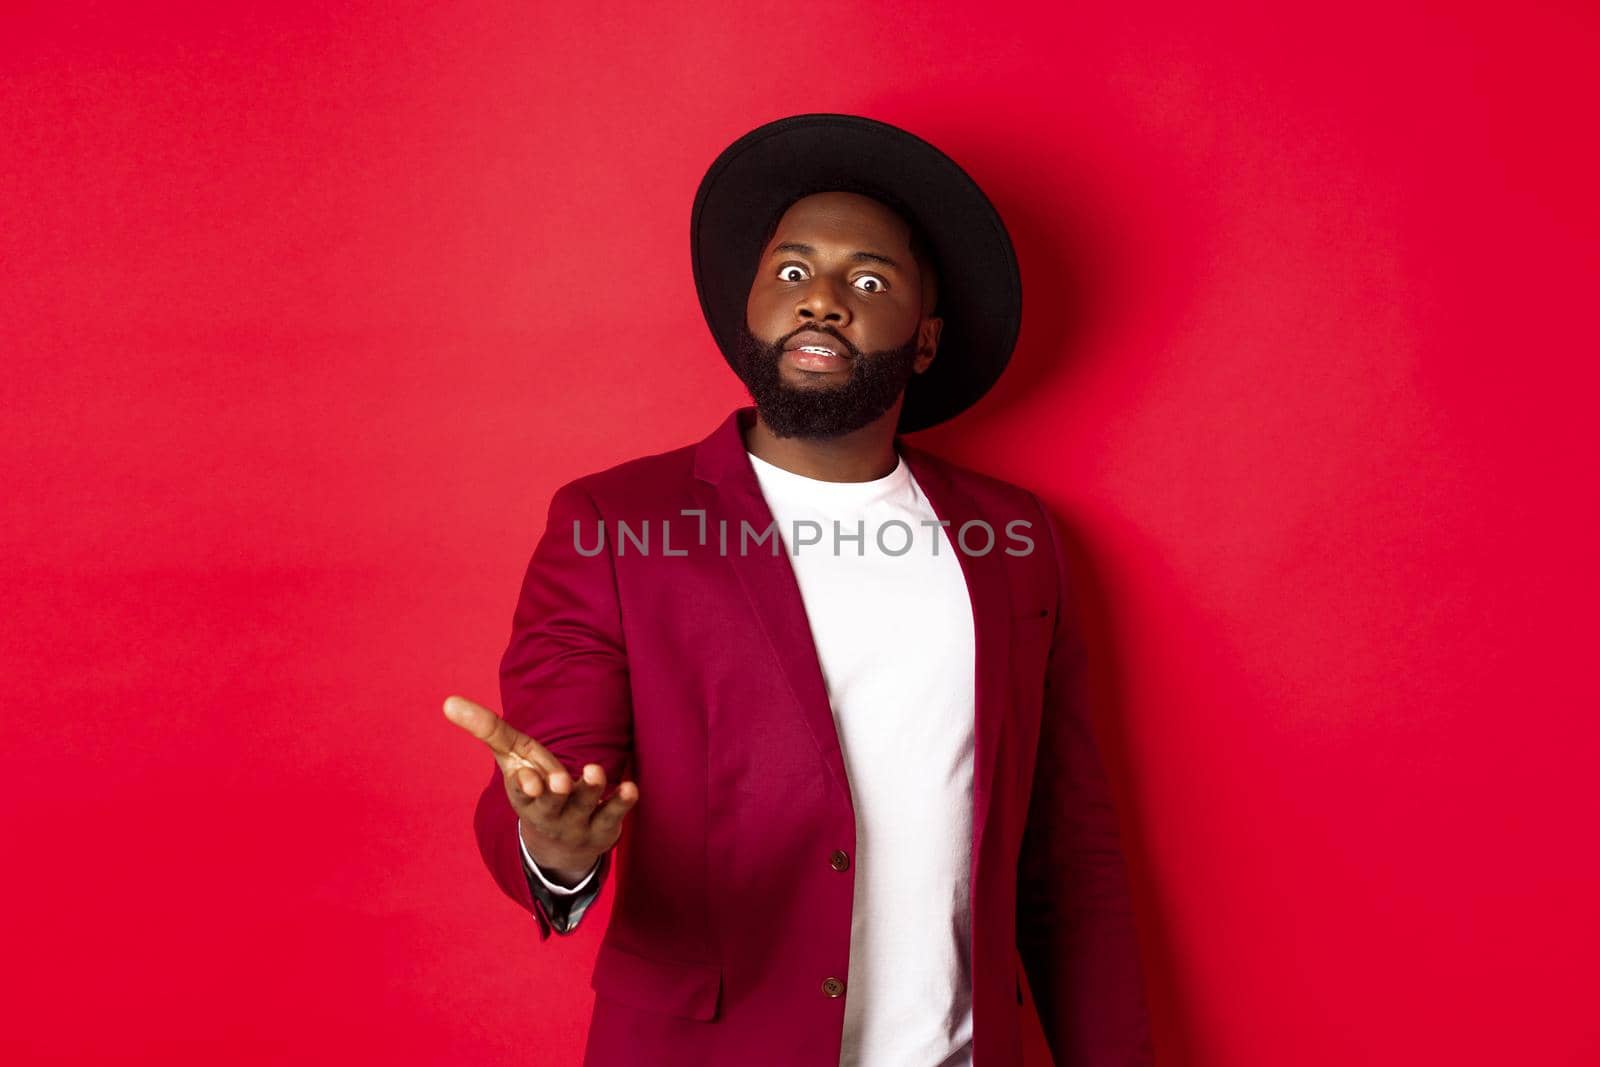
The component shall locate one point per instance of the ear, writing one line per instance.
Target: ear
(927, 343)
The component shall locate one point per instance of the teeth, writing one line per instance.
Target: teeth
(818, 351)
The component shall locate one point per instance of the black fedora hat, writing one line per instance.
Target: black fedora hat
(755, 178)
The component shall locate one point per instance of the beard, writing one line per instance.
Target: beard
(870, 386)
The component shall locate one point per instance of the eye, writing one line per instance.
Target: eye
(867, 283)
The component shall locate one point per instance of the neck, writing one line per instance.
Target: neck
(862, 455)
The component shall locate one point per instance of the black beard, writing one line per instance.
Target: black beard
(871, 385)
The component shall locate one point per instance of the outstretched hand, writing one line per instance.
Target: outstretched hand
(563, 822)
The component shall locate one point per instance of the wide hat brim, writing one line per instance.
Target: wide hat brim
(980, 288)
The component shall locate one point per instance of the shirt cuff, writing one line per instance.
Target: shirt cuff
(560, 890)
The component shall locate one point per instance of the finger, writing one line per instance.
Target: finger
(587, 791)
(552, 800)
(529, 790)
(607, 821)
(529, 783)
(511, 747)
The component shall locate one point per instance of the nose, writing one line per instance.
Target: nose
(820, 303)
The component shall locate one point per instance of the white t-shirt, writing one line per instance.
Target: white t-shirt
(892, 624)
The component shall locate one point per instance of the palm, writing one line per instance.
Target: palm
(564, 822)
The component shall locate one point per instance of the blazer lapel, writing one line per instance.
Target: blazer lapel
(727, 489)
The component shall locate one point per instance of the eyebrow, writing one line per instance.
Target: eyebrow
(855, 257)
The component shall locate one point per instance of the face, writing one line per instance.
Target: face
(837, 319)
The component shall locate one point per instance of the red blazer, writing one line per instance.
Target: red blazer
(693, 670)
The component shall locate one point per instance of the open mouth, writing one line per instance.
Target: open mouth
(817, 358)
(815, 350)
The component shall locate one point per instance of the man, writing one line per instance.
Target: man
(864, 793)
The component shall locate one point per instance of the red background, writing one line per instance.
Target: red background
(306, 313)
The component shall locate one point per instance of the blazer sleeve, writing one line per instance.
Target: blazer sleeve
(1075, 922)
(563, 679)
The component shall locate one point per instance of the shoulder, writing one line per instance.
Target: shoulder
(633, 484)
(988, 490)
(1006, 504)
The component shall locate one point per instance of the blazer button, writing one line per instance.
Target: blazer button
(840, 859)
(832, 986)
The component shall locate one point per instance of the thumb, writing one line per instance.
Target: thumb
(472, 717)
(511, 747)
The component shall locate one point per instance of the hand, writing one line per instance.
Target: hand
(563, 823)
